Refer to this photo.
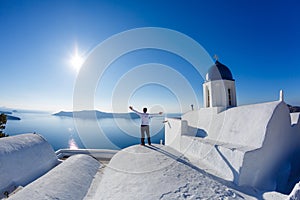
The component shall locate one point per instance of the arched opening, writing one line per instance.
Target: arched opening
(229, 98)
(208, 98)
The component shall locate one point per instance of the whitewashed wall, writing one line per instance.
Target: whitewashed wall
(253, 145)
(173, 133)
(218, 93)
(243, 125)
(24, 158)
(270, 165)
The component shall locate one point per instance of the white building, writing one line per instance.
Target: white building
(255, 145)
(219, 87)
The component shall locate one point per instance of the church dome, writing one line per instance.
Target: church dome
(218, 72)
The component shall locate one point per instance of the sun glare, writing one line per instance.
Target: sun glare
(76, 60)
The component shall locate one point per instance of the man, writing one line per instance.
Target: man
(145, 121)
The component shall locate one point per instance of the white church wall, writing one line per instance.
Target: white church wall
(243, 125)
(218, 93)
(201, 118)
(246, 125)
(255, 145)
(223, 160)
(295, 161)
(173, 133)
(268, 168)
(250, 142)
(295, 118)
(280, 142)
(231, 86)
(206, 88)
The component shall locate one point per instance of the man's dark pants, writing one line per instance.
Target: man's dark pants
(145, 128)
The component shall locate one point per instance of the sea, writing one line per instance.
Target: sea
(76, 133)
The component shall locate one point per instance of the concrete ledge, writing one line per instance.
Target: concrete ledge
(99, 154)
(224, 159)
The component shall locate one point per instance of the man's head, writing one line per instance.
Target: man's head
(144, 110)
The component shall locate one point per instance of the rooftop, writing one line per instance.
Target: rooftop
(219, 72)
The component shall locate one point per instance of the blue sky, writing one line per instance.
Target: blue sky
(258, 40)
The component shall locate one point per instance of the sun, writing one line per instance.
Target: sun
(76, 60)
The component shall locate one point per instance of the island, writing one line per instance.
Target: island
(9, 116)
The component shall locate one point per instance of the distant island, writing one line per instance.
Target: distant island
(9, 116)
(88, 114)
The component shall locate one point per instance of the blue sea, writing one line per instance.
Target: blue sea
(67, 132)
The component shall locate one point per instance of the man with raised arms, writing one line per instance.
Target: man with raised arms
(145, 121)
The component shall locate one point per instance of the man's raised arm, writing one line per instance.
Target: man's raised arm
(137, 112)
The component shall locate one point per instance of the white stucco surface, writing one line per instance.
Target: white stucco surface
(222, 159)
(295, 118)
(243, 125)
(69, 180)
(159, 172)
(218, 93)
(24, 158)
(173, 129)
(254, 145)
(295, 194)
(137, 172)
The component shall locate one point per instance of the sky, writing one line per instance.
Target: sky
(258, 40)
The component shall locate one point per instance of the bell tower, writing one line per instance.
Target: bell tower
(219, 87)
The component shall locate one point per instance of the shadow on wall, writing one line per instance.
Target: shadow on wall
(294, 177)
(195, 132)
(234, 172)
(201, 133)
(192, 131)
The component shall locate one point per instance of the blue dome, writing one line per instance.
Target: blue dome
(218, 72)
